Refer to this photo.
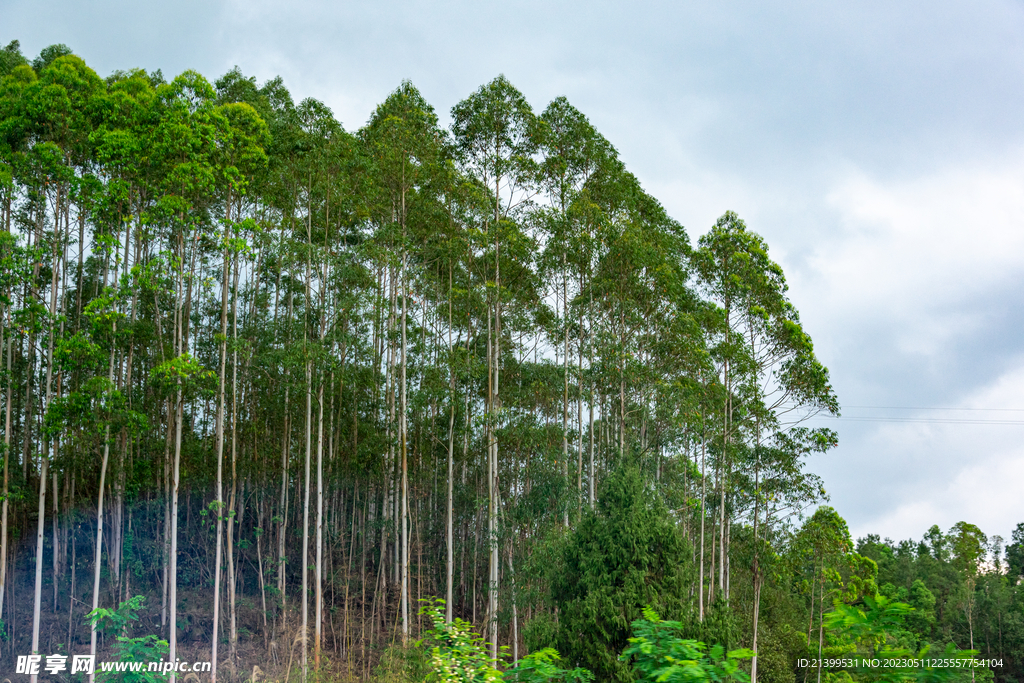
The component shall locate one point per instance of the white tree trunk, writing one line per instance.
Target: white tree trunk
(403, 426)
(40, 532)
(7, 459)
(218, 503)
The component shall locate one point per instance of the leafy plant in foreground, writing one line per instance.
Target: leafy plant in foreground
(143, 649)
(540, 667)
(659, 654)
(873, 631)
(457, 655)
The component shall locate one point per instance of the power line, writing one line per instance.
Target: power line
(1002, 410)
(922, 420)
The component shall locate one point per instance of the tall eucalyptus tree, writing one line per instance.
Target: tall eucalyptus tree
(496, 135)
(185, 147)
(406, 146)
(57, 103)
(768, 367)
(241, 138)
(573, 153)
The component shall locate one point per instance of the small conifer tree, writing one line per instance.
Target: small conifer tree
(624, 555)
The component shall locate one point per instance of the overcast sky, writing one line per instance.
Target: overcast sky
(878, 147)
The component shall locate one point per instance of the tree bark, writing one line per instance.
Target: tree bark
(449, 508)
(7, 461)
(218, 503)
(404, 437)
(40, 531)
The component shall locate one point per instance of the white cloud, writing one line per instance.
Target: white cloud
(917, 247)
(936, 473)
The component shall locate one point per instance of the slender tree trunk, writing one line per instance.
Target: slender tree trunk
(703, 518)
(167, 514)
(283, 505)
(175, 487)
(579, 422)
(181, 344)
(29, 420)
(304, 553)
(565, 388)
(37, 601)
(391, 494)
(515, 611)
(970, 617)
(491, 611)
(590, 340)
(318, 627)
(821, 622)
(56, 541)
(727, 414)
(403, 426)
(74, 564)
(99, 544)
(711, 573)
(757, 610)
(233, 633)
(7, 462)
(218, 503)
(259, 566)
(756, 569)
(282, 570)
(495, 410)
(449, 508)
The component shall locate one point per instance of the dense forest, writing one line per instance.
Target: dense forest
(271, 388)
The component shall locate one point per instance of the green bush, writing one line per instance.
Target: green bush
(457, 655)
(660, 655)
(115, 623)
